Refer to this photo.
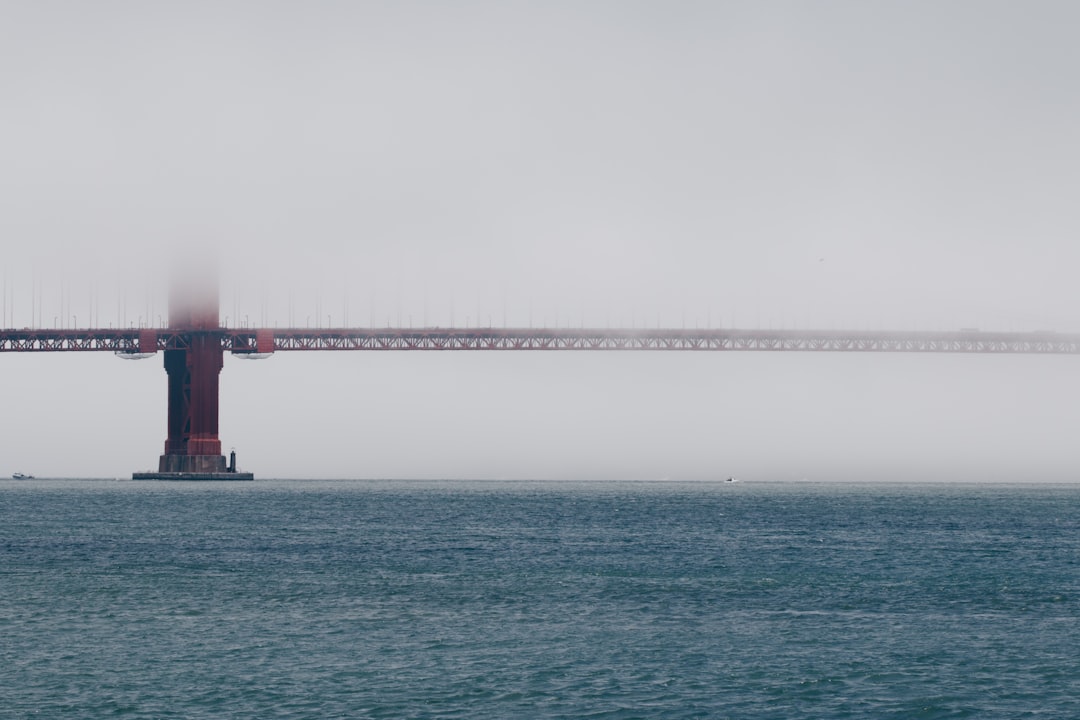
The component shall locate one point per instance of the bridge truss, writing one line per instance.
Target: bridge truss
(243, 341)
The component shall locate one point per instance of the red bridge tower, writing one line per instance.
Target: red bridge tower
(192, 449)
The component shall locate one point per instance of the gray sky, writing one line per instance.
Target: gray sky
(885, 165)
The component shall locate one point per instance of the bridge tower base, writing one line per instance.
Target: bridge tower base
(195, 467)
(187, 476)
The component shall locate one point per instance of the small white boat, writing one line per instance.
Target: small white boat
(20, 476)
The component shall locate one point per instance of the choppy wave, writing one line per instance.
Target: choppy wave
(538, 600)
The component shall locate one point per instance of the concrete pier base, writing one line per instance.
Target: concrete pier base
(194, 467)
(226, 476)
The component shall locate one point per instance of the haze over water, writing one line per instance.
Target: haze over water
(440, 599)
(903, 165)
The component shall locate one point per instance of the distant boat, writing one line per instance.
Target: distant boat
(20, 476)
(732, 479)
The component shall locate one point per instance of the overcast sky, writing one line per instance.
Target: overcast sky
(878, 165)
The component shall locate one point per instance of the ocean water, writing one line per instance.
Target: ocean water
(366, 599)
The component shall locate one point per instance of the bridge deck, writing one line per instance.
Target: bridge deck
(265, 340)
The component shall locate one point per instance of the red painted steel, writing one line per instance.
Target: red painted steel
(264, 341)
(147, 340)
(193, 362)
(179, 394)
(204, 360)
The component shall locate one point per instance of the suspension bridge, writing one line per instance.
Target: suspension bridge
(194, 343)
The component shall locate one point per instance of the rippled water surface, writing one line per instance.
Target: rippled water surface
(300, 599)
